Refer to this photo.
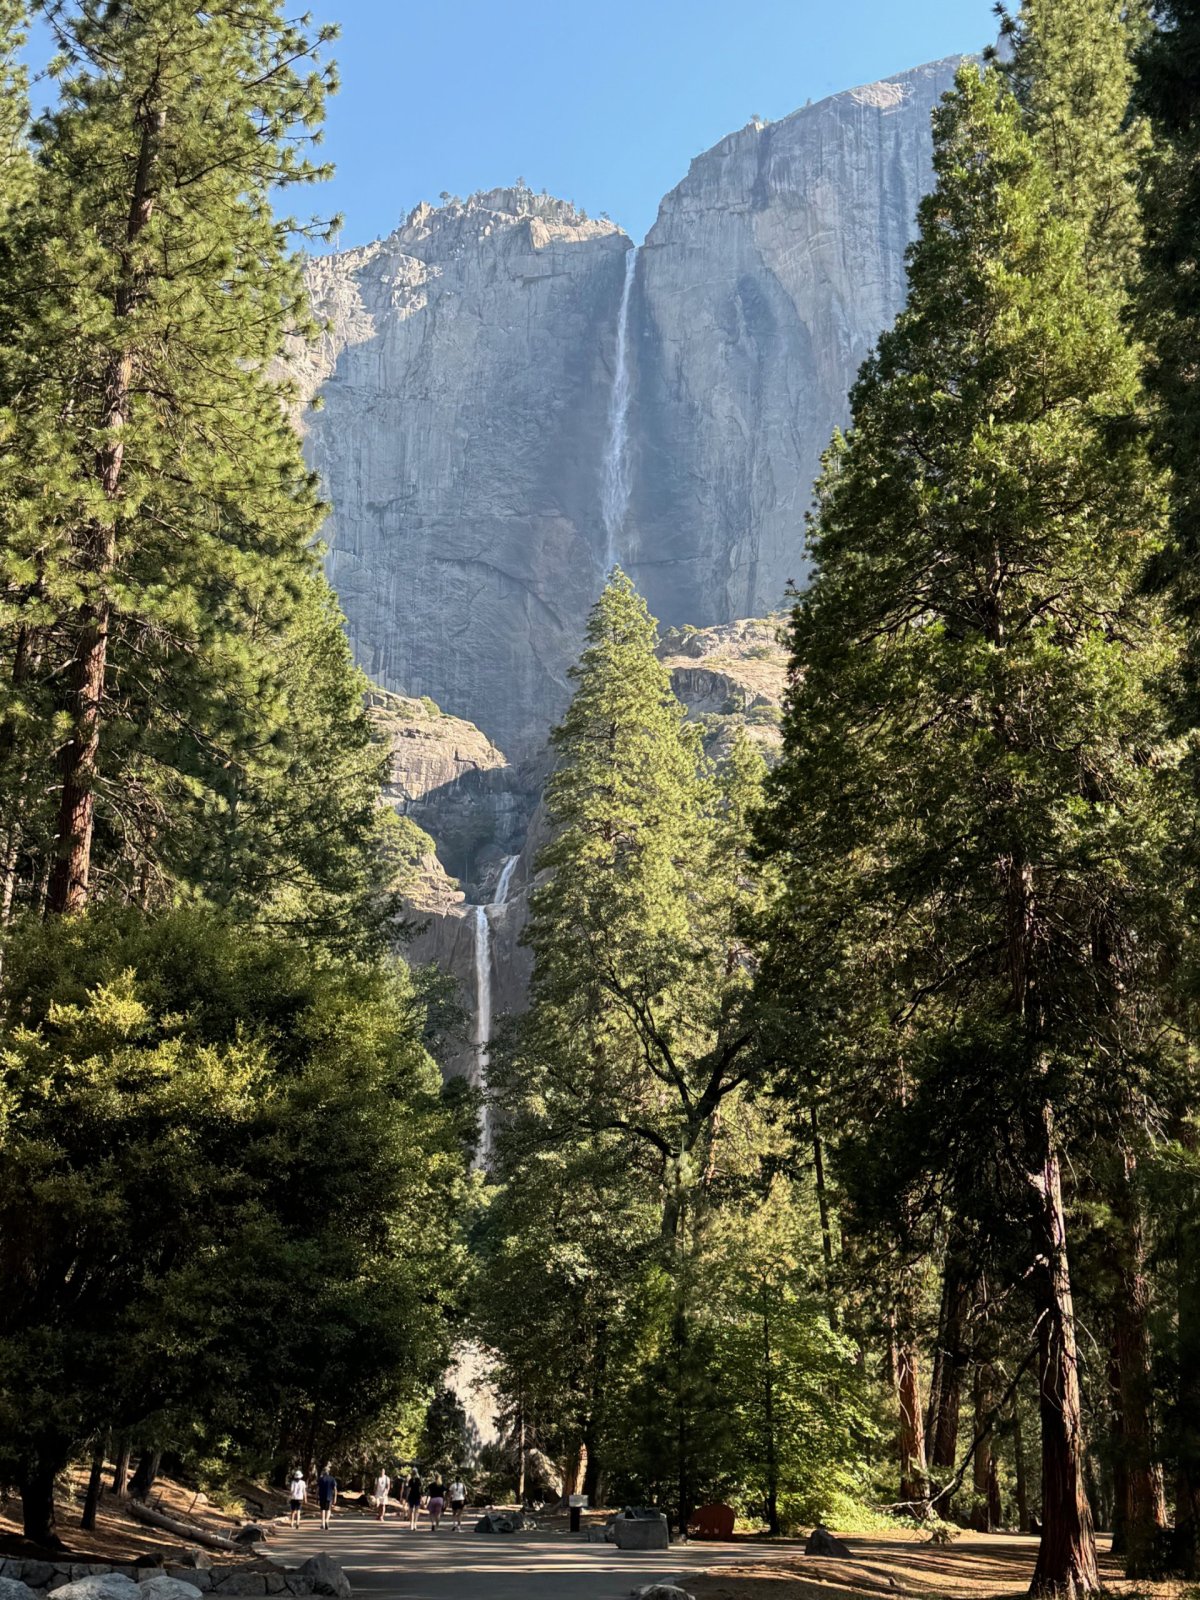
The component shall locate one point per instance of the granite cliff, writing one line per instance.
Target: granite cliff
(512, 400)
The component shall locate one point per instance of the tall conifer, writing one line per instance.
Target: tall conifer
(1169, 93)
(159, 579)
(968, 814)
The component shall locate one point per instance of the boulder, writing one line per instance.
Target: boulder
(240, 1583)
(197, 1577)
(37, 1574)
(821, 1542)
(494, 1522)
(164, 1587)
(326, 1576)
(101, 1586)
(15, 1589)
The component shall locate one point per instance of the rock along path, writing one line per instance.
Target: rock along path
(388, 1561)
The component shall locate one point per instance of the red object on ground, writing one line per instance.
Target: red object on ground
(712, 1522)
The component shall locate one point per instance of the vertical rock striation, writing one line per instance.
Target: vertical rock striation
(470, 372)
(762, 286)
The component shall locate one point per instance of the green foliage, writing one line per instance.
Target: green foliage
(175, 685)
(972, 708)
(213, 1150)
(445, 1443)
(638, 1021)
(1071, 68)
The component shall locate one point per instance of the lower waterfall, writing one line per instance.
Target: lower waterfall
(483, 999)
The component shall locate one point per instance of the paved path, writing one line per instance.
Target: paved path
(387, 1560)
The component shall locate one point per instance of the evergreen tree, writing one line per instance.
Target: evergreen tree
(638, 1019)
(159, 588)
(1168, 92)
(970, 817)
(213, 1149)
(639, 1024)
(1071, 68)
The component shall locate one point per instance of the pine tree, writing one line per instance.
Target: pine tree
(638, 998)
(1168, 91)
(1071, 68)
(970, 815)
(639, 1023)
(159, 572)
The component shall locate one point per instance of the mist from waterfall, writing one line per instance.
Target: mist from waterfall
(483, 998)
(614, 499)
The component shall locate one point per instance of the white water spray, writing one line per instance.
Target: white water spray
(614, 500)
(483, 998)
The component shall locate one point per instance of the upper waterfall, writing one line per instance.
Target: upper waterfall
(614, 501)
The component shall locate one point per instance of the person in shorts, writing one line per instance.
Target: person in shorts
(383, 1486)
(326, 1494)
(297, 1495)
(437, 1502)
(413, 1497)
(458, 1502)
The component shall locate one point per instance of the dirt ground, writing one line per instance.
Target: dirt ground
(972, 1567)
(117, 1537)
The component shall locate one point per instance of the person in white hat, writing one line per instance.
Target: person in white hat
(297, 1495)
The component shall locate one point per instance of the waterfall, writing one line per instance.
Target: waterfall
(483, 997)
(614, 501)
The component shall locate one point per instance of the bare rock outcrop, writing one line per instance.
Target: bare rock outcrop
(468, 371)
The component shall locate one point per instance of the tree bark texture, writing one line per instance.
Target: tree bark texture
(1066, 1563)
(70, 877)
(914, 1485)
(91, 1504)
(37, 1502)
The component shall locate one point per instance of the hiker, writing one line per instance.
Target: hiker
(326, 1495)
(382, 1485)
(437, 1502)
(413, 1496)
(458, 1501)
(297, 1495)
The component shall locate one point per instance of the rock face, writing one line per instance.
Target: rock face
(465, 381)
(761, 288)
(481, 361)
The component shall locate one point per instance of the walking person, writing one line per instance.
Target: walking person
(458, 1501)
(326, 1495)
(383, 1486)
(437, 1502)
(413, 1496)
(297, 1495)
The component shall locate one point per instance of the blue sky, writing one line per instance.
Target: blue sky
(603, 102)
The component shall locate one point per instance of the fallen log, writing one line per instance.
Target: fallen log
(141, 1512)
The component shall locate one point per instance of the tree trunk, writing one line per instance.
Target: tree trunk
(91, 1502)
(1020, 1481)
(823, 1212)
(952, 1349)
(914, 1487)
(37, 1503)
(1145, 1508)
(1187, 1406)
(770, 1453)
(120, 1480)
(147, 1472)
(78, 760)
(984, 1464)
(1066, 1563)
